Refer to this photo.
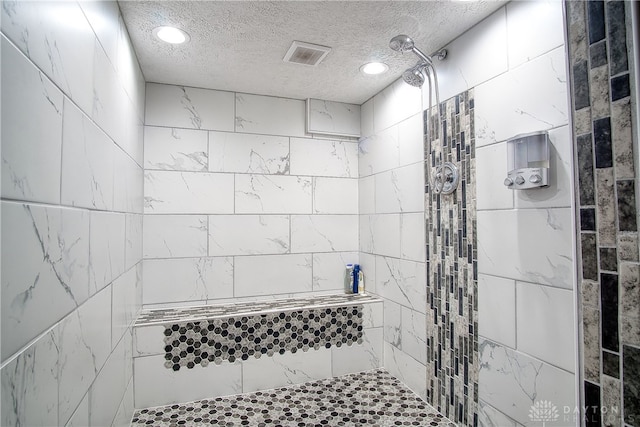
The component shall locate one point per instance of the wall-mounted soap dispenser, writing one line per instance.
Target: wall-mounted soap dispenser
(528, 161)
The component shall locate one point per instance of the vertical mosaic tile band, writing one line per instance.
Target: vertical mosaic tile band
(606, 204)
(188, 344)
(452, 337)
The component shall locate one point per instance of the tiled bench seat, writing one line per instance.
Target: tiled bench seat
(188, 353)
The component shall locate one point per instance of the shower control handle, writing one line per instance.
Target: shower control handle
(445, 178)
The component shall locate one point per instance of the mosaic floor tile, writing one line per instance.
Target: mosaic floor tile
(372, 398)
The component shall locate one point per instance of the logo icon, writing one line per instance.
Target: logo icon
(543, 411)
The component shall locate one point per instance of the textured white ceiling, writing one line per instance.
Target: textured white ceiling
(239, 45)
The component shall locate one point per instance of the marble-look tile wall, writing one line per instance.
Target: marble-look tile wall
(72, 112)
(515, 63)
(603, 129)
(391, 206)
(240, 202)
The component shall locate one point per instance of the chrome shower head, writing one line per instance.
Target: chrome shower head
(402, 43)
(414, 76)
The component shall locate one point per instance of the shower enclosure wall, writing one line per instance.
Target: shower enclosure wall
(505, 76)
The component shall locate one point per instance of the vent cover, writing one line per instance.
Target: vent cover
(306, 53)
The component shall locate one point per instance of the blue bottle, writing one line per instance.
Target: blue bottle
(356, 271)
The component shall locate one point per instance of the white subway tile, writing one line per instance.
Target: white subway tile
(324, 157)
(386, 234)
(106, 248)
(537, 100)
(411, 140)
(156, 385)
(272, 194)
(285, 369)
(30, 385)
(414, 327)
(188, 107)
(187, 192)
(324, 233)
(412, 236)
(272, 274)
(48, 260)
(187, 279)
(406, 369)
(366, 195)
(34, 120)
(269, 115)
(508, 379)
(329, 271)
(545, 324)
(84, 345)
(400, 190)
(356, 357)
(491, 171)
(395, 103)
(403, 282)
(497, 295)
(64, 55)
(247, 153)
(335, 195)
(175, 149)
(379, 152)
(169, 236)
(485, 44)
(248, 234)
(527, 244)
(533, 28)
(333, 118)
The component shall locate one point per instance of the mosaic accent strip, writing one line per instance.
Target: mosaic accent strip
(206, 312)
(606, 199)
(372, 398)
(238, 338)
(452, 279)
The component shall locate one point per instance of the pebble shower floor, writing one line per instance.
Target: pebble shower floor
(372, 398)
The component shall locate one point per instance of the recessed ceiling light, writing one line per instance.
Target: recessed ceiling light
(171, 35)
(373, 68)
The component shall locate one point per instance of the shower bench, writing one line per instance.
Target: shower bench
(190, 353)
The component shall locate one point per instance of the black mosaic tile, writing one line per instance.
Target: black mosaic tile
(610, 364)
(589, 256)
(239, 338)
(585, 170)
(602, 142)
(617, 37)
(592, 405)
(631, 387)
(609, 305)
(587, 219)
(620, 87)
(595, 12)
(581, 97)
(609, 259)
(626, 205)
(598, 54)
(372, 398)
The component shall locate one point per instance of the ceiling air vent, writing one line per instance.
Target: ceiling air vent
(306, 53)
